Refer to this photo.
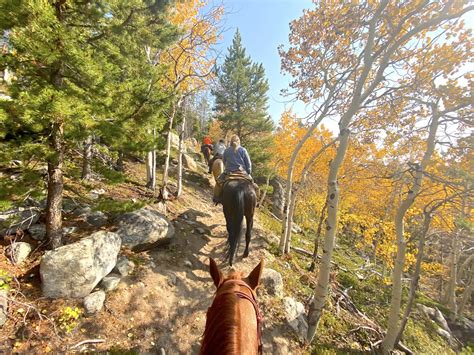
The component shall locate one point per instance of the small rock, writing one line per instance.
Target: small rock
(172, 279)
(296, 229)
(37, 231)
(428, 311)
(445, 334)
(280, 346)
(69, 230)
(3, 306)
(69, 206)
(201, 230)
(95, 194)
(97, 219)
(110, 282)
(94, 302)
(161, 207)
(19, 251)
(295, 316)
(272, 281)
(124, 266)
(188, 263)
(82, 211)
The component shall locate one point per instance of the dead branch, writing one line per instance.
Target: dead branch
(88, 341)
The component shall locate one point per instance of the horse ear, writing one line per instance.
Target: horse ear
(216, 274)
(254, 276)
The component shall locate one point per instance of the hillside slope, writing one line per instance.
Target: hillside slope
(163, 303)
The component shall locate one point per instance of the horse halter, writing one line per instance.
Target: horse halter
(252, 300)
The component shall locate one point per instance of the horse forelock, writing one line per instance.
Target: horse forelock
(222, 332)
(223, 323)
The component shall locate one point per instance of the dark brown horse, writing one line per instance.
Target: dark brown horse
(233, 323)
(206, 151)
(238, 200)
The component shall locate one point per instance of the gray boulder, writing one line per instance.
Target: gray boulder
(295, 316)
(82, 211)
(124, 266)
(144, 226)
(3, 306)
(272, 282)
(37, 231)
(189, 163)
(97, 219)
(69, 205)
(94, 302)
(74, 270)
(18, 218)
(110, 282)
(174, 139)
(19, 252)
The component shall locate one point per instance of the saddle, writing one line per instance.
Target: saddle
(238, 175)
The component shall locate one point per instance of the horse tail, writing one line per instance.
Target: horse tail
(236, 219)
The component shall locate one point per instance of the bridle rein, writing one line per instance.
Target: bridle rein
(251, 299)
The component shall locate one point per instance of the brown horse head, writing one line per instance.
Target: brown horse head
(217, 168)
(233, 324)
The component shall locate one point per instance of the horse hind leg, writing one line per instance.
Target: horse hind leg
(248, 235)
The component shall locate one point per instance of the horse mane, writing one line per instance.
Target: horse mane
(223, 322)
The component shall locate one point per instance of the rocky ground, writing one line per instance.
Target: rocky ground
(158, 302)
(134, 277)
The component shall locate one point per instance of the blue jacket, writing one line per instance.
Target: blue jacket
(238, 160)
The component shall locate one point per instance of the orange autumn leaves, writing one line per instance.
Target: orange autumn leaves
(372, 182)
(289, 133)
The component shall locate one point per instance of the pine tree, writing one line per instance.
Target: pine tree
(78, 67)
(241, 101)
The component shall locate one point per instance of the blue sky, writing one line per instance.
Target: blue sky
(264, 25)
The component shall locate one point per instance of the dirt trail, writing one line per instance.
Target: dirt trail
(163, 304)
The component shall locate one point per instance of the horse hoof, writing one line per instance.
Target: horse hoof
(245, 254)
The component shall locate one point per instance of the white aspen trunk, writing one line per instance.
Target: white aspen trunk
(289, 226)
(416, 276)
(289, 186)
(321, 290)
(464, 266)
(151, 165)
(164, 191)
(466, 296)
(180, 156)
(291, 208)
(452, 304)
(269, 177)
(388, 342)
(289, 183)
(318, 237)
(86, 158)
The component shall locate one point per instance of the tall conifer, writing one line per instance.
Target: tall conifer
(241, 100)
